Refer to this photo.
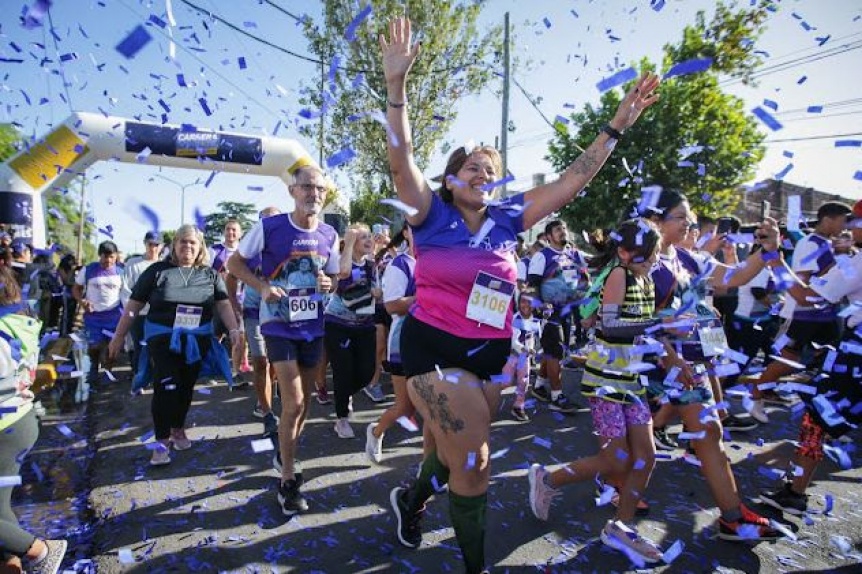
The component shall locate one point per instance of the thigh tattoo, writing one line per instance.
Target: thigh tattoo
(438, 404)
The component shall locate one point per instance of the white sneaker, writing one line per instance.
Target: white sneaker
(758, 411)
(373, 445)
(343, 429)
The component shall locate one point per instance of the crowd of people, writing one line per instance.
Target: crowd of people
(665, 314)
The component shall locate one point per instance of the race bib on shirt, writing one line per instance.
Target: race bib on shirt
(188, 317)
(712, 340)
(302, 305)
(489, 300)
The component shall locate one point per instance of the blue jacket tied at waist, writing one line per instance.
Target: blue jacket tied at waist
(216, 363)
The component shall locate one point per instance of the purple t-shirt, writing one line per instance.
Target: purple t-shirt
(291, 257)
(449, 258)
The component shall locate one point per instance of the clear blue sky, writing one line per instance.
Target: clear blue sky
(254, 100)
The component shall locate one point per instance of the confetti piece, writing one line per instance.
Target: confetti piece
(617, 79)
(693, 66)
(407, 424)
(772, 105)
(65, 431)
(146, 436)
(546, 443)
(134, 42)
(673, 552)
(6, 481)
(204, 391)
(340, 157)
(241, 63)
(110, 376)
(204, 106)
(350, 32)
(471, 461)
(767, 118)
(261, 445)
(829, 502)
(401, 206)
(125, 555)
(657, 5)
(848, 143)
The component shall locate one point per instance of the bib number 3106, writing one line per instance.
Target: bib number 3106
(489, 300)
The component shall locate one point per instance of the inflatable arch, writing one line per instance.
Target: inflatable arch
(84, 138)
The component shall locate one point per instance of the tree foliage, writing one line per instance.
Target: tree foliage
(456, 59)
(721, 139)
(63, 219)
(9, 140)
(244, 213)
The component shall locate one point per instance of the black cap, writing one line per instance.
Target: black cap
(107, 247)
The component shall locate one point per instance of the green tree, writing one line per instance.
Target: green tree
(720, 138)
(63, 219)
(215, 222)
(9, 140)
(456, 60)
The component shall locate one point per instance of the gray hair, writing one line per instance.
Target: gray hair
(203, 258)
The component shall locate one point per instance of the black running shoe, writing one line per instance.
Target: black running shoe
(663, 441)
(409, 527)
(541, 393)
(290, 499)
(786, 500)
(733, 423)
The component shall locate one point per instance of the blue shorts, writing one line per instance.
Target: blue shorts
(306, 353)
(100, 329)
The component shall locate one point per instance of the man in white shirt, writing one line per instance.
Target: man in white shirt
(807, 325)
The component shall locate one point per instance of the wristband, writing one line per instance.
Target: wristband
(396, 105)
(768, 256)
(613, 133)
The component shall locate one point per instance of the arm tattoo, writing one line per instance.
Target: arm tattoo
(438, 404)
(588, 163)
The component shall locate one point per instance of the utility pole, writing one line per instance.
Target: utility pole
(322, 88)
(504, 131)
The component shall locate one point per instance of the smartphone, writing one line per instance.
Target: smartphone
(725, 226)
(378, 229)
(765, 208)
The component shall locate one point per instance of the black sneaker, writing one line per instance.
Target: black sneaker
(519, 414)
(562, 404)
(50, 564)
(663, 441)
(290, 499)
(270, 425)
(786, 500)
(409, 527)
(733, 423)
(297, 469)
(541, 393)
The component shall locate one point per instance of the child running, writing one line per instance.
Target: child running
(517, 369)
(621, 416)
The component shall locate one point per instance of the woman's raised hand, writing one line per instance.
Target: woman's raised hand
(399, 52)
(639, 98)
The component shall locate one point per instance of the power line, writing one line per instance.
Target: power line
(303, 57)
(203, 63)
(817, 137)
(781, 67)
(60, 62)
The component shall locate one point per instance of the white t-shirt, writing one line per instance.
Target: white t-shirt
(103, 289)
(843, 280)
(134, 267)
(804, 260)
(747, 303)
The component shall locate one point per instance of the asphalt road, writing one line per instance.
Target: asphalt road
(214, 508)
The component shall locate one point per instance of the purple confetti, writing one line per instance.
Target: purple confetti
(204, 106)
(656, 5)
(340, 157)
(134, 42)
(350, 33)
(693, 66)
(241, 62)
(617, 79)
(815, 109)
(767, 118)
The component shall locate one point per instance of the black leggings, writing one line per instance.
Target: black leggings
(15, 441)
(351, 352)
(173, 384)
